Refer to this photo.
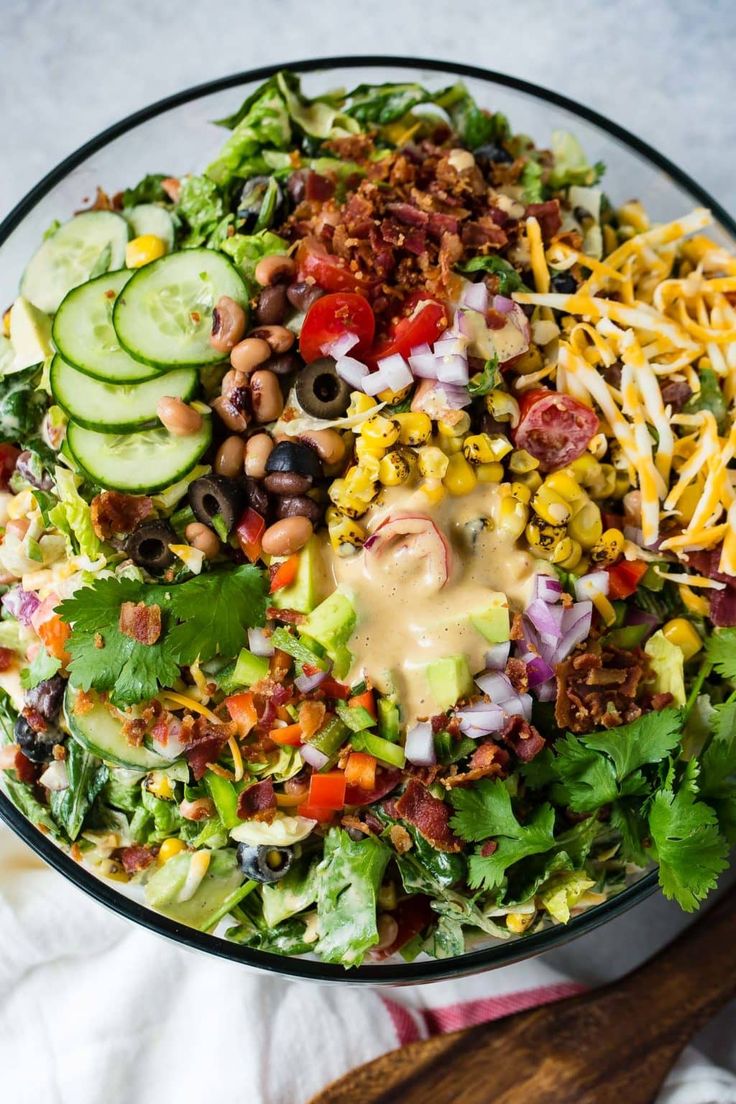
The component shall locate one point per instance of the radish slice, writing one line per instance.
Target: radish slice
(411, 541)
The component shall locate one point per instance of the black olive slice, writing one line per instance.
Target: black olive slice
(320, 391)
(264, 863)
(491, 154)
(291, 456)
(148, 546)
(217, 501)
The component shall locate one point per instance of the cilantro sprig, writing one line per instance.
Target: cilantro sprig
(201, 618)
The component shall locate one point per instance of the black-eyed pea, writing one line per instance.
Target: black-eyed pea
(229, 458)
(275, 269)
(279, 338)
(203, 538)
(233, 419)
(228, 324)
(249, 353)
(287, 536)
(258, 448)
(179, 418)
(265, 396)
(327, 443)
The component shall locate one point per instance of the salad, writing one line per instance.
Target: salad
(368, 555)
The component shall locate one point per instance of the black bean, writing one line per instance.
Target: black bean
(46, 697)
(285, 364)
(271, 306)
(287, 483)
(36, 746)
(257, 496)
(299, 506)
(564, 283)
(303, 295)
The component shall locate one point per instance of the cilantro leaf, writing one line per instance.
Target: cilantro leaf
(42, 666)
(718, 778)
(508, 278)
(483, 382)
(649, 739)
(531, 182)
(87, 776)
(721, 651)
(689, 847)
(484, 811)
(587, 778)
(215, 610)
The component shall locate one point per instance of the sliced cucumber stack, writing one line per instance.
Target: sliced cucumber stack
(87, 245)
(84, 335)
(142, 462)
(101, 733)
(116, 407)
(163, 316)
(150, 218)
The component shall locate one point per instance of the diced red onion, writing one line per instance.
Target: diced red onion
(341, 345)
(515, 707)
(526, 705)
(547, 692)
(419, 746)
(21, 604)
(174, 744)
(259, 643)
(636, 536)
(538, 670)
(503, 305)
(475, 296)
(313, 756)
(595, 582)
(424, 363)
(307, 683)
(576, 622)
(353, 371)
(497, 656)
(481, 720)
(497, 686)
(447, 395)
(452, 369)
(395, 371)
(546, 619)
(450, 345)
(548, 588)
(56, 776)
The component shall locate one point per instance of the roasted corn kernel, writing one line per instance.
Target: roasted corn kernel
(434, 490)
(450, 445)
(521, 491)
(168, 849)
(389, 396)
(159, 784)
(585, 525)
(360, 403)
(479, 448)
(460, 477)
(572, 560)
(551, 506)
(563, 550)
(584, 468)
(531, 479)
(518, 922)
(489, 473)
(380, 431)
(414, 428)
(623, 484)
(598, 446)
(542, 535)
(346, 500)
(694, 603)
(689, 499)
(364, 448)
(433, 462)
(502, 406)
(564, 483)
(139, 251)
(684, 634)
(604, 484)
(609, 548)
(510, 515)
(394, 469)
(456, 428)
(522, 461)
(346, 536)
(530, 361)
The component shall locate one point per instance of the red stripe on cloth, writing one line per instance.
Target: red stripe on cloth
(405, 1025)
(456, 1016)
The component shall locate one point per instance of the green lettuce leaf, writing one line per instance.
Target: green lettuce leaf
(73, 516)
(350, 876)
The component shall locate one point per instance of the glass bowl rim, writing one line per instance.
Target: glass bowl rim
(496, 955)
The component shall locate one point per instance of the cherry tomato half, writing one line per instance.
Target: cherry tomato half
(554, 428)
(333, 315)
(424, 324)
(327, 270)
(8, 457)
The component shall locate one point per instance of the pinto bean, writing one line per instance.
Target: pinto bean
(299, 506)
(203, 538)
(287, 536)
(266, 397)
(233, 419)
(249, 353)
(275, 269)
(229, 458)
(258, 448)
(178, 418)
(287, 483)
(327, 443)
(228, 324)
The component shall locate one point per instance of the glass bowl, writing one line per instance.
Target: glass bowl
(176, 135)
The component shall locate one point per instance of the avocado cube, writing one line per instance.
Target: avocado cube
(331, 625)
(302, 594)
(493, 621)
(449, 679)
(30, 334)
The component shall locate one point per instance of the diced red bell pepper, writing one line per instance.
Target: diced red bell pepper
(290, 736)
(334, 689)
(284, 573)
(366, 700)
(624, 577)
(327, 791)
(242, 710)
(315, 812)
(360, 770)
(251, 528)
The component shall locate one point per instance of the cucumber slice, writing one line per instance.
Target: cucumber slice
(150, 218)
(139, 463)
(87, 245)
(84, 335)
(101, 733)
(115, 407)
(164, 313)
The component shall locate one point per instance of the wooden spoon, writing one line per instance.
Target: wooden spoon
(613, 1045)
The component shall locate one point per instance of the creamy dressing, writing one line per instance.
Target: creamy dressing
(414, 594)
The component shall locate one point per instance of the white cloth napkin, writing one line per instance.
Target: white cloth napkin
(94, 1009)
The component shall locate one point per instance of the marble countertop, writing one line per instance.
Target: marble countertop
(661, 68)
